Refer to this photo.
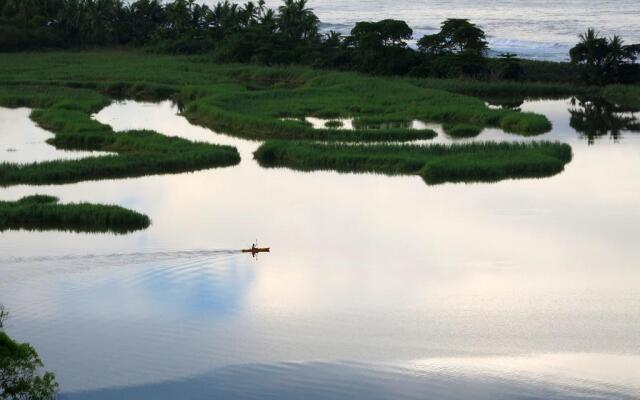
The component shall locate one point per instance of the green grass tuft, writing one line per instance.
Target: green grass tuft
(525, 123)
(45, 213)
(462, 130)
(472, 162)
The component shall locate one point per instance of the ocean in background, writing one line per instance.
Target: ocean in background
(535, 29)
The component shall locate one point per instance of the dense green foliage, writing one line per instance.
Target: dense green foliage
(21, 375)
(258, 114)
(247, 101)
(605, 60)
(45, 213)
(473, 162)
(253, 33)
(458, 49)
(462, 130)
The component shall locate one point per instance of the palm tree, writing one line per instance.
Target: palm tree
(603, 60)
(180, 17)
(147, 18)
(71, 20)
(591, 49)
(333, 39)
(225, 17)
(296, 21)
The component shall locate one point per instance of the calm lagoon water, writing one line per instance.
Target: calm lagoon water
(538, 29)
(377, 287)
(22, 141)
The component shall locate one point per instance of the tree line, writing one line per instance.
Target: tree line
(254, 33)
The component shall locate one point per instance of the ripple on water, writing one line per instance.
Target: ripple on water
(153, 299)
(531, 266)
(319, 380)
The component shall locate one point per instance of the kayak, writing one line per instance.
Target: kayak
(257, 250)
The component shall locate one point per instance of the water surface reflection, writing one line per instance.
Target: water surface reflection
(22, 141)
(594, 117)
(378, 271)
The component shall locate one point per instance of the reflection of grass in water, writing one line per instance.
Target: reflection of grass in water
(381, 122)
(333, 124)
(45, 213)
(472, 162)
(462, 130)
(66, 112)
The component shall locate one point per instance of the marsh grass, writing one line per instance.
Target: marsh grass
(369, 100)
(625, 96)
(45, 213)
(525, 123)
(249, 101)
(462, 130)
(472, 162)
(254, 102)
(66, 113)
(523, 89)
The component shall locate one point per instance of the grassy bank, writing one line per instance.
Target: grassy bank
(258, 113)
(250, 101)
(476, 162)
(512, 89)
(462, 130)
(45, 213)
(254, 102)
(625, 96)
(67, 113)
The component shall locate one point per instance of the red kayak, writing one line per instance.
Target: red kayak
(255, 250)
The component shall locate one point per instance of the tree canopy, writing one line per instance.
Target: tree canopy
(604, 60)
(385, 33)
(290, 34)
(455, 36)
(21, 375)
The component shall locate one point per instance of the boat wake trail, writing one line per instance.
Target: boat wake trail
(123, 258)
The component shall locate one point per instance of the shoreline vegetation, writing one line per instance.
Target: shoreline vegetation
(470, 162)
(462, 130)
(42, 213)
(240, 100)
(228, 32)
(21, 369)
(66, 112)
(225, 97)
(623, 95)
(256, 73)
